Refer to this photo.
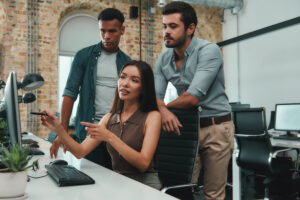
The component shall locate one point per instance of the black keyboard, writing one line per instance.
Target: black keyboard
(66, 175)
(29, 141)
(31, 151)
(34, 151)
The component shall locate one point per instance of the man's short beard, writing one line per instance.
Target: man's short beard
(178, 43)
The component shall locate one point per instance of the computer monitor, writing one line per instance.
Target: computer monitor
(287, 117)
(12, 109)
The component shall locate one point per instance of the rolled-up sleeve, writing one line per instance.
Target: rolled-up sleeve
(75, 77)
(160, 80)
(209, 63)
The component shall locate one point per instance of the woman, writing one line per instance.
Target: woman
(131, 129)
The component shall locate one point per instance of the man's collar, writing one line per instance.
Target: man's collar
(188, 51)
(190, 48)
(97, 49)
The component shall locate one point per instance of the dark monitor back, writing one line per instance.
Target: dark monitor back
(12, 109)
(272, 120)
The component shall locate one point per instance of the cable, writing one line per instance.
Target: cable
(37, 177)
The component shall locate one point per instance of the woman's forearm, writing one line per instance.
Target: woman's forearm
(73, 146)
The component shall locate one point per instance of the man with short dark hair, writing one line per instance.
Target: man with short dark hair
(93, 75)
(195, 68)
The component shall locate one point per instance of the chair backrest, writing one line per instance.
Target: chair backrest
(250, 121)
(253, 141)
(239, 106)
(254, 153)
(176, 155)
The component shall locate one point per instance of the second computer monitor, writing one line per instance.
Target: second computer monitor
(287, 117)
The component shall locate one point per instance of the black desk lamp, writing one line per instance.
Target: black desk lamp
(30, 81)
(26, 98)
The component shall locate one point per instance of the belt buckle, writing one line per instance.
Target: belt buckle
(212, 121)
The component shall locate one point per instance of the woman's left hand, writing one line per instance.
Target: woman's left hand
(96, 131)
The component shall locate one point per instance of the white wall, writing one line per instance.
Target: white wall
(76, 32)
(264, 70)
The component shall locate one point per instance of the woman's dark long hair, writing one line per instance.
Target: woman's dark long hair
(147, 97)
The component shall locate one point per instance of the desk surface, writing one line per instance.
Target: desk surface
(285, 143)
(109, 185)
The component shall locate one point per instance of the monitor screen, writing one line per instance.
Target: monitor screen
(12, 109)
(287, 117)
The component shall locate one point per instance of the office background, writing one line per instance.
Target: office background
(20, 48)
(261, 71)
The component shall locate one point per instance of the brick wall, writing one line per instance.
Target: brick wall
(51, 14)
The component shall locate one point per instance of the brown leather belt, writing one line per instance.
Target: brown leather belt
(208, 121)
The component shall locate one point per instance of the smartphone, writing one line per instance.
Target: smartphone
(38, 113)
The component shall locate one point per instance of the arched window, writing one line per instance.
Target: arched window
(76, 32)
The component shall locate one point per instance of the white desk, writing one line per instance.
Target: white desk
(236, 174)
(285, 143)
(109, 185)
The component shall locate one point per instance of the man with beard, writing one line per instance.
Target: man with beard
(93, 76)
(195, 68)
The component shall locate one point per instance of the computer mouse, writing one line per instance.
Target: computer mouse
(59, 162)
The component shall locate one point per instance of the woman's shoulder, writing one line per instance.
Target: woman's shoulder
(107, 115)
(154, 114)
(105, 119)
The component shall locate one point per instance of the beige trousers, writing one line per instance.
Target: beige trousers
(215, 149)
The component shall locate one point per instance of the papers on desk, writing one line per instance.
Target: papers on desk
(273, 132)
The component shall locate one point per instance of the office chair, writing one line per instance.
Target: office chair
(255, 151)
(236, 107)
(176, 155)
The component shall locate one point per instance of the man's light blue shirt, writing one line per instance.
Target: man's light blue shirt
(201, 75)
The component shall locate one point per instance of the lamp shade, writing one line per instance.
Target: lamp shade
(32, 81)
(2, 84)
(27, 98)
